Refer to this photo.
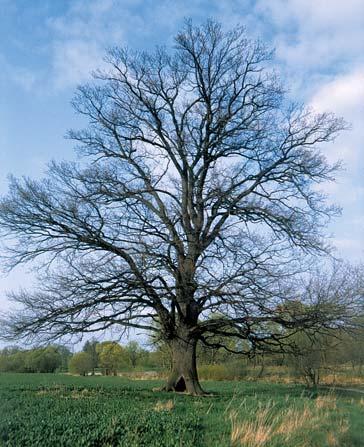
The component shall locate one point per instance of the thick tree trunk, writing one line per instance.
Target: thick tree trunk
(183, 376)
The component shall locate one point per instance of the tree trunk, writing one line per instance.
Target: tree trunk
(183, 376)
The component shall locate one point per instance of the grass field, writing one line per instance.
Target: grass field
(61, 410)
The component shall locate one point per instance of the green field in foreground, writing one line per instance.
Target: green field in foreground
(61, 410)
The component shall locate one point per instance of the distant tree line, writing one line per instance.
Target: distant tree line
(316, 355)
(38, 360)
(108, 357)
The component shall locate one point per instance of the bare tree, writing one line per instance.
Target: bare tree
(195, 190)
(335, 289)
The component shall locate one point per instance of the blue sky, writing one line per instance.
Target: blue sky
(48, 47)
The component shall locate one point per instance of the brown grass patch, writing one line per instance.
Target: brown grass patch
(293, 420)
(292, 426)
(332, 439)
(328, 401)
(252, 433)
(342, 379)
(80, 394)
(42, 392)
(343, 426)
(164, 406)
(55, 390)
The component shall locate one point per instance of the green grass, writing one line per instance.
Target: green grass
(61, 410)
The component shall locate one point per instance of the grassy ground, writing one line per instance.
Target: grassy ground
(60, 410)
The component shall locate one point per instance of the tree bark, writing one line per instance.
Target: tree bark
(183, 376)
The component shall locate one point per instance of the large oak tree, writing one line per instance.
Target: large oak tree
(195, 191)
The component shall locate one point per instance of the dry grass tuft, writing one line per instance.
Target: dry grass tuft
(290, 426)
(328, 401)
(342, 379)
(42, 392)
(80, 394)
(252, 433)
(332, 439)
(164, 406)
(293, 420)
(343, 426)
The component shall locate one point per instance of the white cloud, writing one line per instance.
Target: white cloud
(344, 95)
(80, 36)
(321, 14)
(78, 41)
(305, 22)
(73, 61)
(315, 38)
(21, 76)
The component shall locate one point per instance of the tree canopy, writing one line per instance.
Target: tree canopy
(195, 195)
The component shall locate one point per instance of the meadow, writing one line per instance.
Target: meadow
(63, 410)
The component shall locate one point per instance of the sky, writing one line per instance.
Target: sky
(48, 47)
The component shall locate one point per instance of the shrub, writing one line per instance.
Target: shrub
(213, 372)
(230, 371)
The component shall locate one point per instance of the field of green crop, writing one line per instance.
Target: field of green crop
(61, 410)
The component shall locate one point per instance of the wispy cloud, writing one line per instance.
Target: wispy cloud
(81, 35)
(73, 61)
(78, 41)
(23, 77)
(344, 95)
(316, 33)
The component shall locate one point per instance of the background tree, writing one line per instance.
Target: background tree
(65, 355)
(90, 347)
(12, 359)
(43, 360)
(111, 357)
(334, 289)
(80, 363)
(134, 352)
(196, 193)
(352, 348)
(308, 362)
(36, 360)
